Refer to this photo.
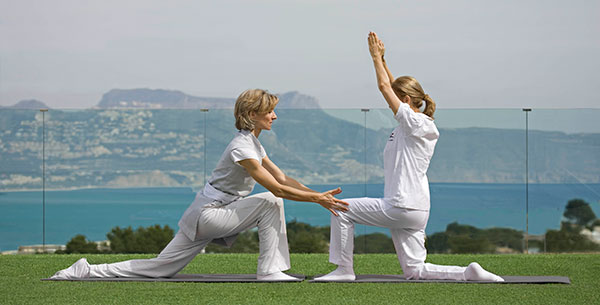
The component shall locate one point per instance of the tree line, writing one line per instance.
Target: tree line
(304, 238)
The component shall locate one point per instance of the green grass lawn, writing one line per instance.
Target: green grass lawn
(20, 282)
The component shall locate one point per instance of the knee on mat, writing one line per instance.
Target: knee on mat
(412, 273)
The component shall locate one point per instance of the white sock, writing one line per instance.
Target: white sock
(475, 272)
(80, 269)
(341, 274)
(276, 276)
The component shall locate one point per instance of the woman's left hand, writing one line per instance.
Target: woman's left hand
(376, 47)
(331, 203)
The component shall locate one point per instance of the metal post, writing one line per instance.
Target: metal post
(205, 111)
(365, 110)
(527, 110)
(365, 149)
(544, 243)
(43, 111)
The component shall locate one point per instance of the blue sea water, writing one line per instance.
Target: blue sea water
(94, 212)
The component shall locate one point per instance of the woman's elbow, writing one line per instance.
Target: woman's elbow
(277, 192)
(383, 87)
(281, 178)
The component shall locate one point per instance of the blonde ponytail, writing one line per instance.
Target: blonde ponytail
(429, 106)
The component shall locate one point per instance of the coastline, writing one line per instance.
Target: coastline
(197, 188)
(95, 188)
(94, 211)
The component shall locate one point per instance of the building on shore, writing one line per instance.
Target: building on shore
(36, 249)
(49, 249)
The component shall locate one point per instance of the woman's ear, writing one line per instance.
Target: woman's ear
(406, 99)
(253, 115)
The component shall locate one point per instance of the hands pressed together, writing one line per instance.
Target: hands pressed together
(376, 47)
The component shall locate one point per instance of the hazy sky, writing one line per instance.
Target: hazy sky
(473, 54)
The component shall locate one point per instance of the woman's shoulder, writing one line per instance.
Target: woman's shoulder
(405, 115)
(244, 138)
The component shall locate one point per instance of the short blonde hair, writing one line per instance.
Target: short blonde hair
(252, 100)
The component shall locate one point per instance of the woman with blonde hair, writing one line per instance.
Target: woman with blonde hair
(223, 208)
(405, 205)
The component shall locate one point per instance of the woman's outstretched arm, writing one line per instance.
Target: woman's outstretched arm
(384, 81)
(266, 179)
(281, 177)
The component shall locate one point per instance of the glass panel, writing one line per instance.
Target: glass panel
(477, 176)
(320, 151)
(20, 169)
(564, 145)
(107, 168)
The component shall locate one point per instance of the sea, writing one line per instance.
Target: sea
(25, 216)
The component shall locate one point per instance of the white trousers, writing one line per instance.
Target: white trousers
(264, 211)
(408, 234)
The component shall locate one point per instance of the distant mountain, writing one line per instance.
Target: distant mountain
(170, 99)
(159, 98)
(296, 100)
(29, 104)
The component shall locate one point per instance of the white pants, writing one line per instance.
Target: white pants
(408, 234)
(264, 211)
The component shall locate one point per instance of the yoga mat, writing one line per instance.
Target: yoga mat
(202, 278)
(392, 278)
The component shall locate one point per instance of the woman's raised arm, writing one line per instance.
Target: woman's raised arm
(384, 77)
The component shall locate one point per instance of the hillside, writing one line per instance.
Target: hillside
(170, 99)
(138, 148)
(28, 104)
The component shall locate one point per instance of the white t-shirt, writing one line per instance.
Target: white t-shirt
(406, 159)
(229, 176)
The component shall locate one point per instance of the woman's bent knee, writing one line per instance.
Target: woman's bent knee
(270, 199)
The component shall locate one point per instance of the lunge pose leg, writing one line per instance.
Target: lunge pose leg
(408, 234)
(406, 202)
(223, 209)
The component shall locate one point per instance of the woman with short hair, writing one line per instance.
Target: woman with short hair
(223, 208)
(405, 205)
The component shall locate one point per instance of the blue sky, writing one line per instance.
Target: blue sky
(466, 54)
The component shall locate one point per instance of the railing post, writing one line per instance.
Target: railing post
(527, 110)
(365, 110)
(43, 111)
(204, 110)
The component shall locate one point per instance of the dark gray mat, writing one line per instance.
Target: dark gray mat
(392, 278)
(203, 278)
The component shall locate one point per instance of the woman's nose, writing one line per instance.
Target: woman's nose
(274, 116)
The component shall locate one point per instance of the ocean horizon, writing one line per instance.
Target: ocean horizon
(93, 212)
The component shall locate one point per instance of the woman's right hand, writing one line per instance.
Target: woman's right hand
(331, 203)
(376, 47)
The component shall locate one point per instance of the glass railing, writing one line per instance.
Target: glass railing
(67, 172)
(564, 157)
